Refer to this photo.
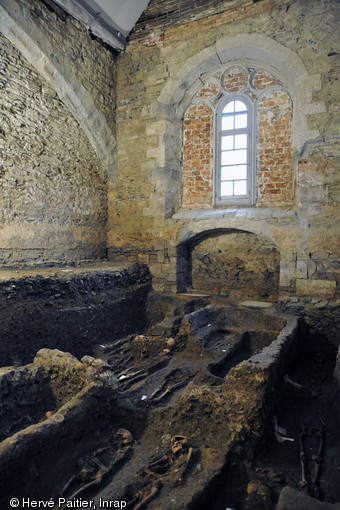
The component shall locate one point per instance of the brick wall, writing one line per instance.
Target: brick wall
(197, 151)
(274, 148)
(234, 79)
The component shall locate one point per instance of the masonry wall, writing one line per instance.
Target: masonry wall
(91, 121)
(53, 184)
(237, 264)
(67, 40)
(155, 207)
(197, 182)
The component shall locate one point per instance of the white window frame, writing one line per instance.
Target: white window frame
(249, 198)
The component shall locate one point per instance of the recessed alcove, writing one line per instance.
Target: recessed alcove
(229, 262)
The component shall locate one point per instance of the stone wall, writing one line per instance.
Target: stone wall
(79, 53)
(154, 214)
(281, 53)
(236, 263)
(274, 162)
(57, 111)
(53, 191)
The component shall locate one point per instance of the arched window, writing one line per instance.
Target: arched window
(237, 142)
(234, 168)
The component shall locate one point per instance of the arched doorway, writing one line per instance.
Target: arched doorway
(229, 262)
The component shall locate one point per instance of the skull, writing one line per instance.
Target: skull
(124, 436)
(178, 443)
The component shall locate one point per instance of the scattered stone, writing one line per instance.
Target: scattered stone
(171, 343)
(256, 304)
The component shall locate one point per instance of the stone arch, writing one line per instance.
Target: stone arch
(254, 270)
(245, 50)
(17, 26)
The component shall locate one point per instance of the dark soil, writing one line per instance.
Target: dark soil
(255, 482)
(171, 377)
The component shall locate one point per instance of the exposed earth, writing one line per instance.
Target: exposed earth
(208, 406)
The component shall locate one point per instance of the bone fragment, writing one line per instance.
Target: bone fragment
(280, 432)
(154, 491)
(288, 380)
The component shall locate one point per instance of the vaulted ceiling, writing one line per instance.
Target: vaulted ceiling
(111, 20)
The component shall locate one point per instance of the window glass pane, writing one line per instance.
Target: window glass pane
(234, 133)
(240, 107)
(229, 108)
(240, 187)
(241, 121)
(228, 122)
(227, 143)
(229, 173)
(227, 189)
(240, 141)
(238, 157)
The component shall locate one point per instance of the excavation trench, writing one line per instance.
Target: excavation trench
(187, 411)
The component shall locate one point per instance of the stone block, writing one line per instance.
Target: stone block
(158, 153)
(287, 273)
(311, 268)
(317, 288)
(155, 128)
(301, 269)
(172, 252)
(314, 194)
(143, 258)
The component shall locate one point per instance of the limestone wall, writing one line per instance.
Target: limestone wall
(57, 137)
(155, 217)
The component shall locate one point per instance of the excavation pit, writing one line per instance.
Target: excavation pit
(177, 413)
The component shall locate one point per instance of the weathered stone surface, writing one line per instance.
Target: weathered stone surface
(279, 40)
(318, 288)
(238, 262)
(53, 192)
(47, 403)
(256, 304)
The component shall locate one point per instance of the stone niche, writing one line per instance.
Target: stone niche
(237, 262)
